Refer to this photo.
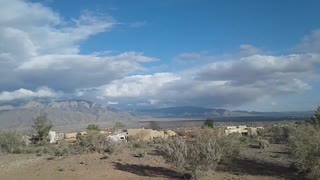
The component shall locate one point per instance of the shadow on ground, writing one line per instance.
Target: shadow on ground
(145, 170)
(252, 167)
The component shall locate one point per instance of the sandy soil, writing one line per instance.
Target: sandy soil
(252, 164)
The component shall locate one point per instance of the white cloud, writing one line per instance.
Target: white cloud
(21, 93)
(38, 47)
(219, 84)
(112, 103)
(45, 30)
(138, 85)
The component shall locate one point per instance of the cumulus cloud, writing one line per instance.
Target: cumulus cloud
(260, 68)
(43, 92)
(219, 84)
(38, 47)
(138, 85)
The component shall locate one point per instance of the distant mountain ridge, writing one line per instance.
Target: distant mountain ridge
(76, 114)
(60, 113)
(197, 112)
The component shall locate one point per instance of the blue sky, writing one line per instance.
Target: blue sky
(252, 55)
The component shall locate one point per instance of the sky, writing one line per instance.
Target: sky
(241, 55)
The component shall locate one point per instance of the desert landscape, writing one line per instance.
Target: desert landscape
(263, 152)
(272, 163)
(159, 89)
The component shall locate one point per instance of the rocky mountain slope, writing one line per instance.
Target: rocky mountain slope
(63, 114)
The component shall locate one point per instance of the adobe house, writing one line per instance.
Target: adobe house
(145, 134)
(243, 130)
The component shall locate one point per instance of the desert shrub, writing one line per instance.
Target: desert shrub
(11, 142)
(280, 134)
(141, 153)
(183, 133)
(255, 142)
(196, 155)
(159, 140)
(137, 144)
(315, 119)
(111, 147)
(263, 143)
(230, 147)
(304, 143)
(95, 142)
(60, 152)
(262, 132)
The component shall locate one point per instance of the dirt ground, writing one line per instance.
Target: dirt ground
(252, 164)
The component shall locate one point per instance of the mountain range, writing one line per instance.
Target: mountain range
(64, 114)
(76, 114)
(201, 112)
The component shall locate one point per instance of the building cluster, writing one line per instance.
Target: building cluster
(143, 134)
(243, 130)
(119, 135)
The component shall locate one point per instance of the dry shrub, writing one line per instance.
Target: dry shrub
(183, 133)
(95, 142)
(141, 153)
(263, 143)
(199, 154)
(230, 146)
(11, 142)
(159, 140)
(305, 149)
(280, 134)
(137, 145)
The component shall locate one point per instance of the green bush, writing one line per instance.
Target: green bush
(42, 126)
(93, 127)
(208, 123)
(315, 119)
(305, 149)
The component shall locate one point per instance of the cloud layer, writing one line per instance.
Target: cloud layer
(40, 56)
(21, 93)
